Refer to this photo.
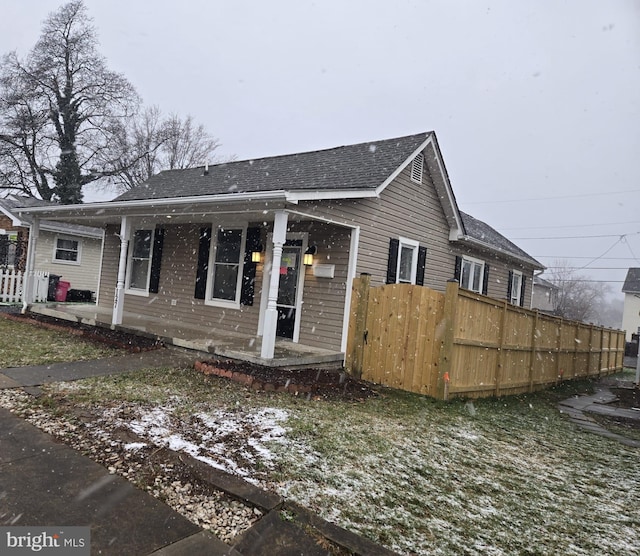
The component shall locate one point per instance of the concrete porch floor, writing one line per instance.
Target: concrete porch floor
(216, 342)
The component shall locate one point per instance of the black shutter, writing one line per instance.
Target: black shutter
(203, 263)
(249, 267)
(485, 279)
(422, 263)
(457, 271)
(509, 286)
(524, 281)
(156, 260)
(392, 263)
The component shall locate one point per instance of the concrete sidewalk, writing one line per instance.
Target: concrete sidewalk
(43, 482)
(578, 408)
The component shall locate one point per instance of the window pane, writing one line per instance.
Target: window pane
(66, 255)
(228, 246)
(406, 264)
(465, 280)
(68, 244)
(477, 276)
(139, 273)
(142, 244)
(225, 282)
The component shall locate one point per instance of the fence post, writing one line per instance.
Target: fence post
(534, 345)
(444, 367)
(358, 325)
(503, 333)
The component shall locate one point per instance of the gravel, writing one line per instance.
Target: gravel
(142, 463)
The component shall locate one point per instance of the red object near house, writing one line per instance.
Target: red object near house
(61, 290)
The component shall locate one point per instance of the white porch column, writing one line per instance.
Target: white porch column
(118, 301)
(28, 280)
(271, 313)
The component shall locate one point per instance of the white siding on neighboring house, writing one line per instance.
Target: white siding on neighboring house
(83, 273)
(631, 314)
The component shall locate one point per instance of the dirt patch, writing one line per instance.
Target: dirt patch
(627, 397)
(311, 383)
(114, 338)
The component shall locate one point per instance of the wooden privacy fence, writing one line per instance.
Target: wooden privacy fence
(465, 344)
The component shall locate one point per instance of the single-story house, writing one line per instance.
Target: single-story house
(71, 251)
(631, 309)
(269, 247)
(544, 295)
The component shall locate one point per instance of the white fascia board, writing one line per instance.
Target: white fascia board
(326, 195)
(75, 210)
(490, 247)
(402, 166)
(449, 190)
(15, 221)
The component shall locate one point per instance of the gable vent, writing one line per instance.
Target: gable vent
(416, 168)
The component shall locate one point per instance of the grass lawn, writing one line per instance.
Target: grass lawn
(23, 344)
(497, 476)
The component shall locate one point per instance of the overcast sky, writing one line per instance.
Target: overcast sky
(535, 103)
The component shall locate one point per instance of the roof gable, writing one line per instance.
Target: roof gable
(632, 281)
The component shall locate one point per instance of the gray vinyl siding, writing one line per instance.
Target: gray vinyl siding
(82, 276)
(404, 209)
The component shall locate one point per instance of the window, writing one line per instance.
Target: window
(140, 260)
(471, 275)
(515, 287)
(67, 250)
(416, 168)
(407, 261)
(226, 267)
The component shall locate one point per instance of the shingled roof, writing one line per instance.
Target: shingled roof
(352, 167)
(632, 281)
(12, 203)
(484, 233)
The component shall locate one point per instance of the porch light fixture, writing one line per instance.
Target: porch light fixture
(256, 254)
(308, 255)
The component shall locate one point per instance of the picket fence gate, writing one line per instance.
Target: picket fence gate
(12, 285)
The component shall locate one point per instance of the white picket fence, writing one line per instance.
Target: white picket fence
(12, 285)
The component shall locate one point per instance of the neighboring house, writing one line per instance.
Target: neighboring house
(197, 246)
(631, 310)
(70, 251)
(544, 296)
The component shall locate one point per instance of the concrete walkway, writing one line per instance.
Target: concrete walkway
(43, 482)
(578, 408)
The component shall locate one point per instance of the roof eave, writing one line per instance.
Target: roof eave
(88, 208)
(476, 242)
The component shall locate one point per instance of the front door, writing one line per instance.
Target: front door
(288, 288)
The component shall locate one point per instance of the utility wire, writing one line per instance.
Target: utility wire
(583, 195)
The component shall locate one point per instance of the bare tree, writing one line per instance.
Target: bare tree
(151, 143)
(59, 111)
(579, 298)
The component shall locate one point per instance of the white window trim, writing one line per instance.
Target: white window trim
(208, 300)
(417, 167)
(481, 282)
(55, 259)
(413, 245)
(515, 273)
(135, 291)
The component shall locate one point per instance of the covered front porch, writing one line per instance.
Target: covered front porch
(216, 342)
